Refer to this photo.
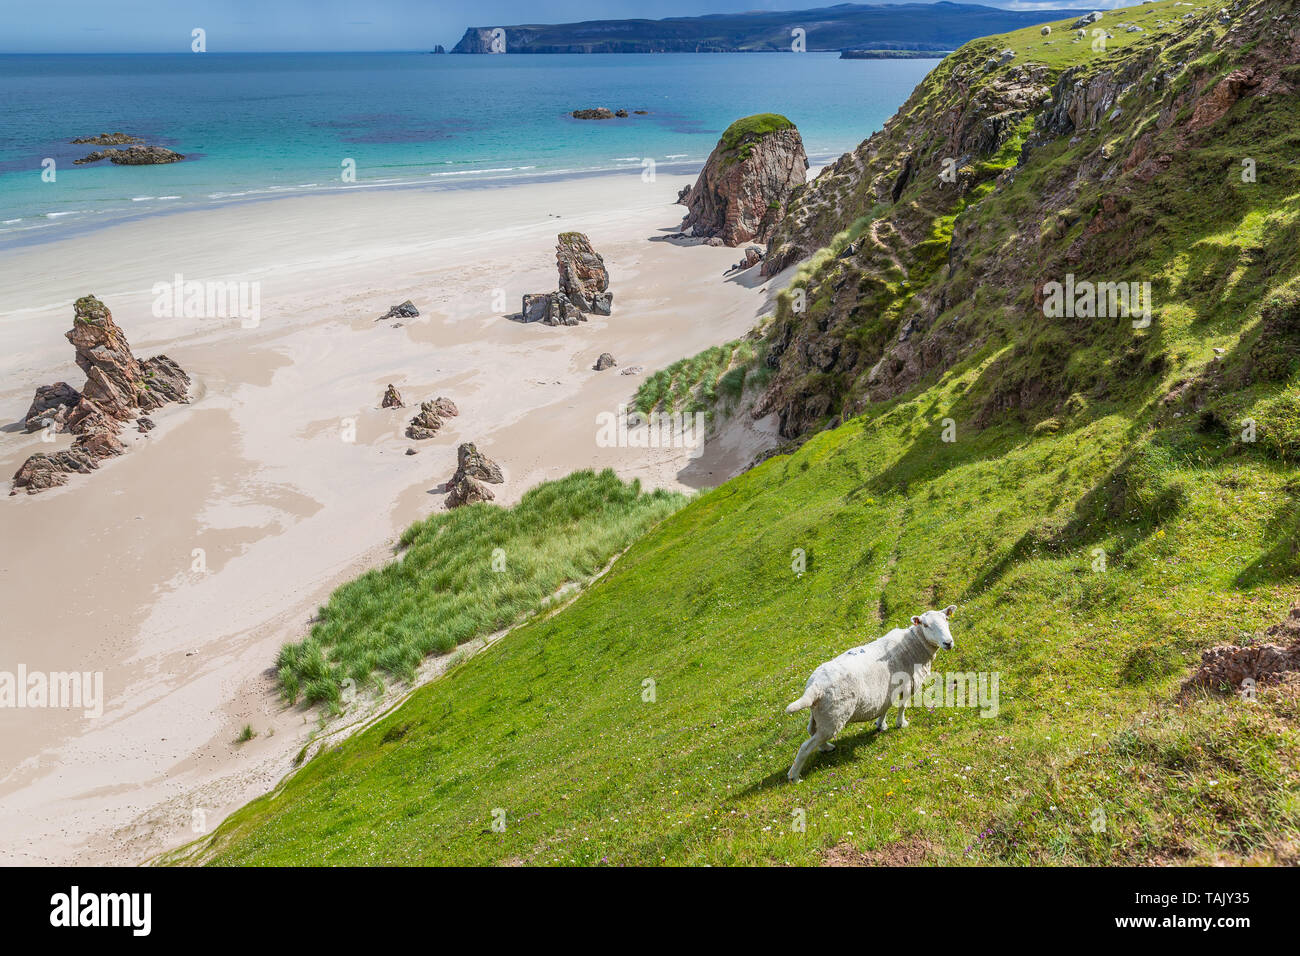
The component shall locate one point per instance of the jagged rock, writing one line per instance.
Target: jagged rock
(749, 178)
(467, 491)
(426, 423)
(602, 303)
(42, 471)
(406, 310)
(107, 139)
(682, 194)
(136, 155)
(582, 270)
(445, 407)
(633, 370)
(51, 406)
(1229, 667)
(551, 308)
(392, 398)
(595, 113)
(1085, 20)
(621, 114)
(144, 424)
(605, 361)
(164, 381)
(471, 463)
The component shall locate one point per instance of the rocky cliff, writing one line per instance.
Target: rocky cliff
(1116, 156)
(742, 192)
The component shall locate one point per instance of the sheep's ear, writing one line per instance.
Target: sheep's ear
(950, 610)
(916, 620)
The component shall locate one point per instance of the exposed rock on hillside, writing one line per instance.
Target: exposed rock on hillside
(997, 177)
(466, 491)
(1242, 669)
(749, 178)
(118, 387)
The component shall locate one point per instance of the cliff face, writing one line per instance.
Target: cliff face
(742, 192)
(1026, 158)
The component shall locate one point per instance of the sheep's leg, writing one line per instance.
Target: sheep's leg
(801, 758)
(827, 747)
(902, 716)
(881, 722)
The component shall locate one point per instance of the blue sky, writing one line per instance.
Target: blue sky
(162, 26)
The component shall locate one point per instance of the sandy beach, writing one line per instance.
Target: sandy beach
(178, 569)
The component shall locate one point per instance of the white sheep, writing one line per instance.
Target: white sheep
(863, 682)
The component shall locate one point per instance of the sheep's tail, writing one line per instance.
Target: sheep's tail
(803, 703)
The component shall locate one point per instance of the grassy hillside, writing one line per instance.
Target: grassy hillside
(1083, 490)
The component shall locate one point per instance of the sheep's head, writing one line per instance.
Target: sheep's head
(933, 626)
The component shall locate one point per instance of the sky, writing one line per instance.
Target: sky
(232, 26)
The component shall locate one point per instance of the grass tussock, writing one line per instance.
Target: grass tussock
(467, 573)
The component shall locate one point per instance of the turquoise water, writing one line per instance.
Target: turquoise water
(259, 126)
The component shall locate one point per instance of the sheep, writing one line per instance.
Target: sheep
(863, 682)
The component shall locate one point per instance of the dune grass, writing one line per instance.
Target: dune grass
(466, 573)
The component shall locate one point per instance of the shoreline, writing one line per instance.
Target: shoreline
(254, 475)
(50, 231)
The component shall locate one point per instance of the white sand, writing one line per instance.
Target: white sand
(97, 576)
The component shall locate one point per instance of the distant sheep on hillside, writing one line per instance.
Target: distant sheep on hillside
(863, 682)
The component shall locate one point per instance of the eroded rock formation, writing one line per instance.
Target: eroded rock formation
(118, 387)
(584, 285)
(747, 182)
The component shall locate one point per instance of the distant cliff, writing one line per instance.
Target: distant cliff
(906, 26)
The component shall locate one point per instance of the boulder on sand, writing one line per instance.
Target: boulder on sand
(426, 423)
(467, 491)
(472, 463)
(605, 361)
(51, 406)
(392, 398)
(551, 308)
(406, 310)
(582, 270)
(743, 191)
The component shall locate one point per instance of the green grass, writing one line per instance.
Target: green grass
(712, 380)
(464, 574)
(738, 138)
(1094, 546)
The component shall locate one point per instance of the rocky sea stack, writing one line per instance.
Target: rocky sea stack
(584, 285)
(745, 186)
(118, 387)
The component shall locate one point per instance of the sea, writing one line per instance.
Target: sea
(259, 126)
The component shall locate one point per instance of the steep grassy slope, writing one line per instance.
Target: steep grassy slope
(1085, 492)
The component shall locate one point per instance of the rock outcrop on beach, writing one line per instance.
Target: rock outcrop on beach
(118, 387)
(406, 310)
(472, 469)
(429, 420)
(466, 491)
(472, 463)
(584, 285)
(392, 398)
(583, 277)
(135, 155)
(51, 406)
(745, 186)
(605, 361)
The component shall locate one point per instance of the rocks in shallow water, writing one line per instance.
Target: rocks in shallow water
(466, 491)
(107, 139)
(594, 113)
(621, 114)
(406, 310)
(743, 190)
(392, 399)
(472, 463)
(137, 155)
(605, 361)
(51, 406)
